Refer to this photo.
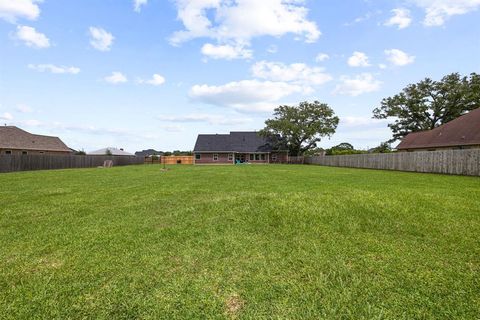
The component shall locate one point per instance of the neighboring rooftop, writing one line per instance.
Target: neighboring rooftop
(113, 151)
(12, 137)
(148, 152)
(463, 131)
(234, 142)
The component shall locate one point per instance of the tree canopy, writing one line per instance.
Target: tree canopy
(428, 104)
(301, 127)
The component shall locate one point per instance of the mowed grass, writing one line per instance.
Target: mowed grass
(245, 242)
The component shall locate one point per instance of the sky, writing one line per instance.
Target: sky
(139, 74)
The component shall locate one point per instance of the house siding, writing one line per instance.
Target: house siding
(207, 158)
(20, 151)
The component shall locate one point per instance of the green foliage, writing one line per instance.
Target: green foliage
(284, 242)
(343, 148)
(384, 147)
(80, 153)
(428, 104)
(336, 152)
(301, 127)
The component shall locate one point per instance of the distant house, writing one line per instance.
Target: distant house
(461, 133)
(148, 153)
(14, 140)
(112, 151)
(236, 147)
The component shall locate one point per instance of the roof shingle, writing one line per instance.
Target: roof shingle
(233, 142)
(15, 138)
(463, 131)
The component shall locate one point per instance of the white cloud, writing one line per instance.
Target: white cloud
(11, 10)
(156, 80)
(237, 22)
(398, 57)
(438, 11)
(6, 116)
(401, 18)
(137, 4)
(361, 121)
(272, 49)
(31, 37)
(116, 78)
(358, 59)
(246, 95)
(355, 86)
(322, 57)
(173, 128)
(212, 119)
(101, 39)
(226, 52)
(382, 66)
(23, 108)
(298, 73)
(54, 69)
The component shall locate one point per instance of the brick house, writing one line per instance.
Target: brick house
(14, 140)
(461, 133)
(237, 147)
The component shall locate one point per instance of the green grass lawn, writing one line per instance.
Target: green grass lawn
(247, 242)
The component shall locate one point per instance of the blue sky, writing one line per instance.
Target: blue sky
(143, 74)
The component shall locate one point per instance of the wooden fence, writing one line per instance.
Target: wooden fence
(460, 162)
(11, 163)
(169, 160)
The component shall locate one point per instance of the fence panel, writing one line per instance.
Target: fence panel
(11, 163)
(459, 162)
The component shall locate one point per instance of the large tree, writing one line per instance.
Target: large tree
(301, 127)
(428, 104)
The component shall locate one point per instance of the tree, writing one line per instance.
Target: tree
(428, 104)
(108, 152)
(344, 146)
(384, 147)
(301, 127)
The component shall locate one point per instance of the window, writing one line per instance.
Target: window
(252, 157)
(24, 152)
(230, 157)
(215, 157)
(197, 156)
(262, 157)
(257, 157)
(274, 157)
(8, 152)
(42, 152)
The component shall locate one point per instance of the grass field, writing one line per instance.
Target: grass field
(246, 242)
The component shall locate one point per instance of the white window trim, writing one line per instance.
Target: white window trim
(230, 157)
(215, 157)
(274, 157)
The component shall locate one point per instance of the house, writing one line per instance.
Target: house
(237, 147)
(14, 140)
(148, 153)
(461, 133)
(110, 151)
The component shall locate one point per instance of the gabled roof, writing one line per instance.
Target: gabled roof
(463, 131)
(233, 142)
(114, 152)
(15, 138)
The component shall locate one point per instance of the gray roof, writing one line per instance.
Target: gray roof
(233, 142)
(114, 151)
(15, 138)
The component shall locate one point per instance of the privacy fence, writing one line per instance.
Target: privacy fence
(11, 163)
(460, 162)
